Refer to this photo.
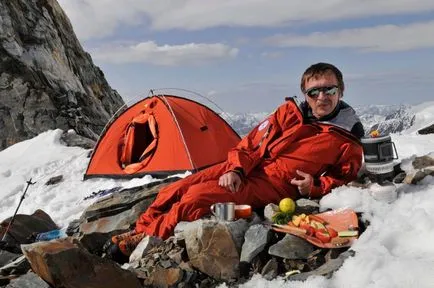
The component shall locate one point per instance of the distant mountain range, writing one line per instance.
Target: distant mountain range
(386, 119)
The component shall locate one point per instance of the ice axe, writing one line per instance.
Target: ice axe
(19, 204)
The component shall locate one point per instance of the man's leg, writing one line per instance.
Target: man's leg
(173, 193)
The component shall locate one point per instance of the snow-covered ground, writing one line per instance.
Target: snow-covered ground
(395, 251)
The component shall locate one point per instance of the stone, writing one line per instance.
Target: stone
(71, 138)
(27, 226)
(399, 178)
(212, 250)
(291, 247)
(64, 264)
(415, 177)
(47, 80)
(54, 180)
(423, 162)
(162, 277)
(306, 206)
(255, 240)
(17, 267)
(325, 270)
(29, 280)
(269, 211)
(427, 130)
(7, 257)
(143, 247)
(270, 270)
(120, 210)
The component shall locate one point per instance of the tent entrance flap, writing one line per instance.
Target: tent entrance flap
(140, 140)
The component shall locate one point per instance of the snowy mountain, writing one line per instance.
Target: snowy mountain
(385, 118)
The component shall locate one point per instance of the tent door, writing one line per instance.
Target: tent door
(140, 142)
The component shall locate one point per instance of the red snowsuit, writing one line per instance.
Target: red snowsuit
(269, 156)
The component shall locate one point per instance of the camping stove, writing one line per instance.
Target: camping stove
(379, 155)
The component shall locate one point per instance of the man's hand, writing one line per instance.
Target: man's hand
(305, 184)
(231, 181)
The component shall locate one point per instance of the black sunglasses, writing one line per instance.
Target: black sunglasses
(315, 91)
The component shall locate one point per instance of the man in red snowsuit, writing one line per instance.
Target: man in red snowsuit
(301, 150)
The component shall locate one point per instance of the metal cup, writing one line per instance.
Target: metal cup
(224, 211)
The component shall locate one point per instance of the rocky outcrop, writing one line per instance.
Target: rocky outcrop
(47, 81)
(63, 264)
(396, 122)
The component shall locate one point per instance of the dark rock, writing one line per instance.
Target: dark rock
(47, 81)
(25, 227)
(415, 177)
(73, 227)
(63, 264)
(29, 280)
(316, 259)
(162, 277)
(143, 247)
(334, 253)
(399, 178)
(306, 206)
(296, 264)
(291, 247)
(7, 257)
(427, 130)
(423, 162)
(120, 210)
(270, 270)
(256, 238)
(325, 270)
(71, 138)
(54, 180)
(17, 267)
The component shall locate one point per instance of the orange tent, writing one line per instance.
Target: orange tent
(161, 135)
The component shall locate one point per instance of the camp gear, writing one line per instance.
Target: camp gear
(315, 91)
(342, 221)
(223, 211)
(118, 238)
(16, 210)
(379, 153)
(50, 235)
(128, 244)
(161, 135)
(328, 153)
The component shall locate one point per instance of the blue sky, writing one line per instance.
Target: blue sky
(248, 55)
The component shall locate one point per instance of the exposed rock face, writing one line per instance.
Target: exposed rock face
(47, 81)
(63, 264)
(396, 122)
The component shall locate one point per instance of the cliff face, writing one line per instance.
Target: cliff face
(47, 81)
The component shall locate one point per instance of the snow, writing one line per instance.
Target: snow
(396, 250)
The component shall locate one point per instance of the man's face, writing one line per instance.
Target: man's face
(325, 102)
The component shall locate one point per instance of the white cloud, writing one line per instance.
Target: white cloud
(165, 55)
(98, 18)
(374, 39)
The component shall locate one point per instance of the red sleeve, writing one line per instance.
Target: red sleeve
(342, 173)
(247, 154)
(250, 151)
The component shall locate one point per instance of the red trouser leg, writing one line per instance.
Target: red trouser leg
(197, 199)
(172, 194)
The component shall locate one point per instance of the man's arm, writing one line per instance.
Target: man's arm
(340, 174)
